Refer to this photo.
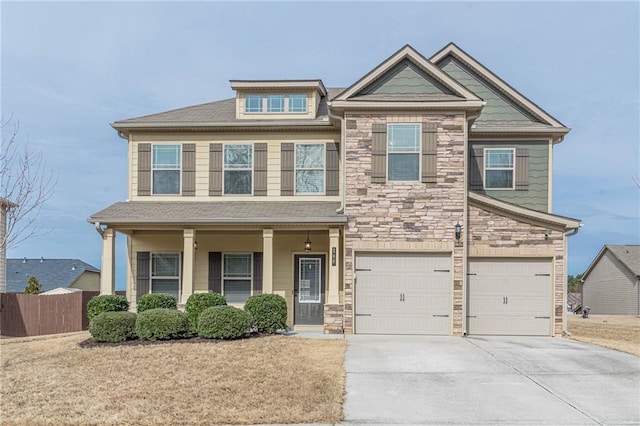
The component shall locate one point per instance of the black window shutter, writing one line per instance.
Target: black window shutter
(257, 273)
(143, 269)
(215, 272)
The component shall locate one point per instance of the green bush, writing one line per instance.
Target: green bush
(33, 286)
(113, 326)
(161, 324)
(223, 322)
(156, 301)
(106, 303)
(268, 312)
(196, 303)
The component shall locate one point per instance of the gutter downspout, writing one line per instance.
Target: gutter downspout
(343, 150)
(565, 331)
(99, 229)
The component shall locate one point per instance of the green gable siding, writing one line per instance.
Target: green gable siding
(498, 107)
(537, 196)
(405, 79)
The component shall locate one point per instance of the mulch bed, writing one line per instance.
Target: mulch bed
(91, 343)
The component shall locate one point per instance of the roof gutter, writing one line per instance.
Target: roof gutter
(574, 231)
(99, 229)
(343, 150)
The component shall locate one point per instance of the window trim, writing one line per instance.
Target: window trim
(418, 153)
(222, 272)
(179, 169)
(179, 277)
(485, 168)
(257, 96)
(324, 168)
(251, 169)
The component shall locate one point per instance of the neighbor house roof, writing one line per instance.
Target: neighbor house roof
(219, 212)
(51, 273)
(627, 255)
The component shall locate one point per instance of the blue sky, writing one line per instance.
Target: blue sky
(71, 68)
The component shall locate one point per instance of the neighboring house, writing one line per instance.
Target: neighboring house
(51, 274)
(611, 284)
(415, 201)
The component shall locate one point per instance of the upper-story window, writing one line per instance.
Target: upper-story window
(166, 169)
(276, 103)
(498, 168)
(310, 160)
(238, 168)
(253, 103)
(403, 151)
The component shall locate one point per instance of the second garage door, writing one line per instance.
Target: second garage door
(402, 293)
(510, 297)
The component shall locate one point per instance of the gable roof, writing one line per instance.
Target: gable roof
(442, 87)
(627, 255)
(51, 273)
(529, 111)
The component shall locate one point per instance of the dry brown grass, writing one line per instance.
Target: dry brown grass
(275, 379)
(619, 332)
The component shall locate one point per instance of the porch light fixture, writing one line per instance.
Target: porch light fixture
(195, 245)
(307, 244)
(458, 229)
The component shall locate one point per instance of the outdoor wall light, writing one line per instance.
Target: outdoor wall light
(458, 229)
(195, 245)
(307, 244)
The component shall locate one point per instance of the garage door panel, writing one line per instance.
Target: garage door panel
(509, 296)
(402, 293)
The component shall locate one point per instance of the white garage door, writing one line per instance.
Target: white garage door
(402, 293)
(510, 297)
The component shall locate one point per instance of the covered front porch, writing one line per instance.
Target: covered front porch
(301, 261)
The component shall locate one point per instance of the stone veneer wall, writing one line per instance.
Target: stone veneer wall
(404, 216)
(492, 234)
(333, 319)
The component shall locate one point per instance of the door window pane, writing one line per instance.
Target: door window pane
(309, 280)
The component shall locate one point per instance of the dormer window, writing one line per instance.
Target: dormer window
(253, 103)
(297, 103)
(277, 103)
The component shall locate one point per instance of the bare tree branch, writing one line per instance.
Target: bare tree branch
(24, 181)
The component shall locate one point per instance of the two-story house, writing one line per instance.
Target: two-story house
(415, 201)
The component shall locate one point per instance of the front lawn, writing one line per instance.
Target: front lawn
(270, 379)
(619, 332)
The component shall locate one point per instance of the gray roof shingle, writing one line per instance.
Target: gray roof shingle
(51, 273)
(629, 255)
(228, 212)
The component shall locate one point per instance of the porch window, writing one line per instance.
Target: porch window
(238, 165)
(310, 168)
(237, 277)
(165, 273)
(403, 148)
(166, 169)
(499, 168)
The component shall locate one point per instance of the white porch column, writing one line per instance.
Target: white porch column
(333, 294)
(107, 272)
(188, 264)
(267, 261)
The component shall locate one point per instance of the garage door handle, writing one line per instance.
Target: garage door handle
(471, 316)
(359, 270)
(542, 317)
(363, 315)
(441, 270)
(542, 275)
(442, 316)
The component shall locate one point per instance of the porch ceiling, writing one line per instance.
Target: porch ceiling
(211, 213)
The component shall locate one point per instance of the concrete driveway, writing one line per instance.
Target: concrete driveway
(488, 380)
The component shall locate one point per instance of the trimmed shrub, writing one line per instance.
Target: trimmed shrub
(196, 303)
(223, 322)
(157, 301)
(161, 324)
(113, 326)
(106, 303)
(268, 312)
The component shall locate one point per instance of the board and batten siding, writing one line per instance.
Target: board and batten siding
(610, 289)
(536, 196)
(202, 147)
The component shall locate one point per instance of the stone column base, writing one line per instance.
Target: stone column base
(333, 319)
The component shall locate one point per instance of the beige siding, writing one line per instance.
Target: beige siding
(89, 280)
(273, 141)
(610, 288)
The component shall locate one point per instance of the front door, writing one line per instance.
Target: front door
(309, 289)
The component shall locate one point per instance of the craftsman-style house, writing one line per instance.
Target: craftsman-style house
(415, 201)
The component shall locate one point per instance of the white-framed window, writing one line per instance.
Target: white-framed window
(166, 169)
(275, 103)
(237, 276)
(499, 167)
(298, 103)
(403, 152)
(238, 169)
(310, 159)
(165, 274)
(253, 103)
